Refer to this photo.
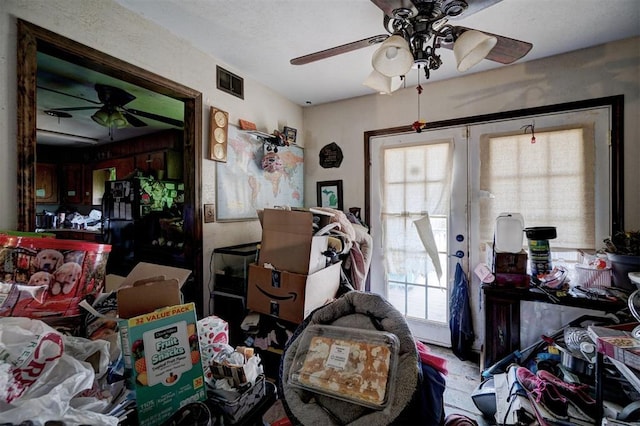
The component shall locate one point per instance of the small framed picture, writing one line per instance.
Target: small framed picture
(330, 194)
(290, 135)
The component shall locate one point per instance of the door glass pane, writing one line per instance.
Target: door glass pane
(413, 178)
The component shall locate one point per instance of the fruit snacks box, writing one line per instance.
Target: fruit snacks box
(162, 361)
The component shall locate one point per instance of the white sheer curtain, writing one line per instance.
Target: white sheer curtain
(416, 181)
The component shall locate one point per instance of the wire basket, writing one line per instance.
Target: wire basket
(590, 277)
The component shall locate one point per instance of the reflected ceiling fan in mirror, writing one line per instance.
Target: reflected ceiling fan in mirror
(111, 110)
(417, 29)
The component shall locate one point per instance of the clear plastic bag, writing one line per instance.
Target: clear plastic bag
(39, 380)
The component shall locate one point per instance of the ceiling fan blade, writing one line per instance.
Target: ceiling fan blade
(338, 50)
(506, 50)
(68, 94)
(155, 117)
(388, 6)
(75, 108)
(133, 120)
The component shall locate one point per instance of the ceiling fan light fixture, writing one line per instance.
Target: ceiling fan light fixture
(381, 83)
(109, 118)
(471, 47)
(393, 58)
(101, 117)
(117, 120)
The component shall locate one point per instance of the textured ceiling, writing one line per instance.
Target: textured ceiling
(257, 38)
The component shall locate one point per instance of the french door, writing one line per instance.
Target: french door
(419, 185)
(438, 174)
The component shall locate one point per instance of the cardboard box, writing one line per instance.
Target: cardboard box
(291, 296)
(144, 271)
(506, 263)
(288, 242)
(160, 343)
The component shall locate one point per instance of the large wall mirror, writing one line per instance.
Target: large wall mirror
(153, 142)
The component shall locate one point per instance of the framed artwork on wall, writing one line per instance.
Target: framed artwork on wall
(290, 135)
(330, 194)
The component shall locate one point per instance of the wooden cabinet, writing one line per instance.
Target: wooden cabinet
(46, 183)
(124, 166)
(151, 163)
(77, 184)
(72, 183)
(165, 164)
(502, 333)
(502, 316)
(87, 186)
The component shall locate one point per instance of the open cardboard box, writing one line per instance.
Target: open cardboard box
(159, 342)
(288, 242)
(291, 297)
(149, 287)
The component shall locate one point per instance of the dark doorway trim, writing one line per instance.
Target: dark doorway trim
(33, 39)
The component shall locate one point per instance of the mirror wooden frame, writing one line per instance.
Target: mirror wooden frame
(33, 39)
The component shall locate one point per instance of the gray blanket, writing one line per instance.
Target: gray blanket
(357, 310)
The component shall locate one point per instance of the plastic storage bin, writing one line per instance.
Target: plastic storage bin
(354, 365)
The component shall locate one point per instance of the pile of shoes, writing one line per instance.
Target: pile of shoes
(554, 399)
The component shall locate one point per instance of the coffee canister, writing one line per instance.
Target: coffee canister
(539, 249)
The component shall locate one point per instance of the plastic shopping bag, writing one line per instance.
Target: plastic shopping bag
(38, 379)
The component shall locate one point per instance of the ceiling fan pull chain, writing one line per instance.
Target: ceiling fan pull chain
(532, 128)
(418, 125)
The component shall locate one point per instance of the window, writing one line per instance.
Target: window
(550, 182)
(416, 181)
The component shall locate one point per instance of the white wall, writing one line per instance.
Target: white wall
(607, 70)
(106, 26)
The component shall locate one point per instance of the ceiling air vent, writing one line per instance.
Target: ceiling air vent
(229, 82)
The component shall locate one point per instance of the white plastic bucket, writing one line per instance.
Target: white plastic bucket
(509, 233)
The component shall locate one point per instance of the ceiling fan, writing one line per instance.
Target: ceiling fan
(111, 110)
(417, 28)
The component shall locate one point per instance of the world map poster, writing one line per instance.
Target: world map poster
(243, 186)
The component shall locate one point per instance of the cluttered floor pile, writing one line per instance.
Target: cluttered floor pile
(73, 353)
(140, 356)
(555, 380)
